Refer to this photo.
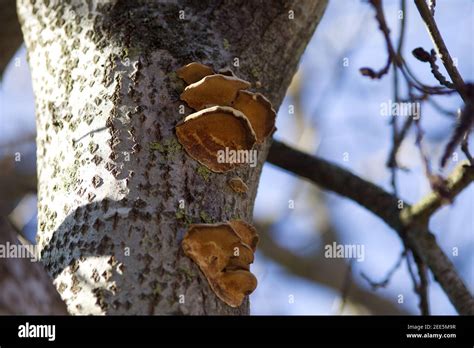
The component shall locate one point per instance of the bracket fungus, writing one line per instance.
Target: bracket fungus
(224, 253)
(246, 232)
(206, 132)
(202, 135)
(213, 90)
(259, 111)
(193, 72)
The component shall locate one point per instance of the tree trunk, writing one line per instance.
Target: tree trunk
(113, 204)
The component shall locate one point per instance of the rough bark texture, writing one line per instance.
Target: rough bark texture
(25, 287)
(110, 223)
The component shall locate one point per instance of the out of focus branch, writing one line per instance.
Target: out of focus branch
(10, 33)
(459, 179)
(385, 205)
(25, 287)
(327, 272)
(14, 183)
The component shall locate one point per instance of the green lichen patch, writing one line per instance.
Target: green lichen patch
(157, 290)
(169, 147)
(183, 217)
(255, 73)
(204, 173)
(189, 275)
(70, 178)
(156, 146)
(226, 44)
(205, 217)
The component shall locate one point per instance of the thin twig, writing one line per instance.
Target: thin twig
(465, 149)
(392, 158)
(425, 57)
(386, 206)
(392, 56)
(383, 283)
(440, 46)
(459, 179)
(401, 39)
(422, 285)
(346, 287)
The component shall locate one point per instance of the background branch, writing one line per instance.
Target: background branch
(10, 33)
(25, 287)
(326, 272)
(440, 46)
(384, 205)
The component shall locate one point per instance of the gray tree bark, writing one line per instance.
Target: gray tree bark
(112, 209)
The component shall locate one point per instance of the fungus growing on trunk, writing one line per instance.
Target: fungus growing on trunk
(224, 253)
(259, 111)
(204, 133)
(246, 232)
(233, 286)
(193, 72)
(213, 90)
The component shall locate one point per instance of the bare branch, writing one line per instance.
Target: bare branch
(314, 269)
(422, 286)
(459, 179)
(392, 56)
(25, 287)
(383, 283)
(10, 33)
(440, 46)
(383, 204)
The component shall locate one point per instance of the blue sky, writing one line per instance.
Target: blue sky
(341, 113)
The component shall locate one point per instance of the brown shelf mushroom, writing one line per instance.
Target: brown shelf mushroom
(213, 90)
(212, 246)
(204, 133)
(224, 257)
(246, 232)
(259, 111)
(193, 72)
(232, 287)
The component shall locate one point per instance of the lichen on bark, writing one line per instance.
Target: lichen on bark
(105, 89)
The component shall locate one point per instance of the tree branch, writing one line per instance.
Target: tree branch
(327, 272)
(25, 288)
(440, 46)
(459, 179)
(10, 33)
(384, 205)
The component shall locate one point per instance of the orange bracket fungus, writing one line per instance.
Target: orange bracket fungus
(224, 253)
(246, 232)
(225, 112)
(213, 90)
(259, 111)
(206, 132)
(193, 72)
